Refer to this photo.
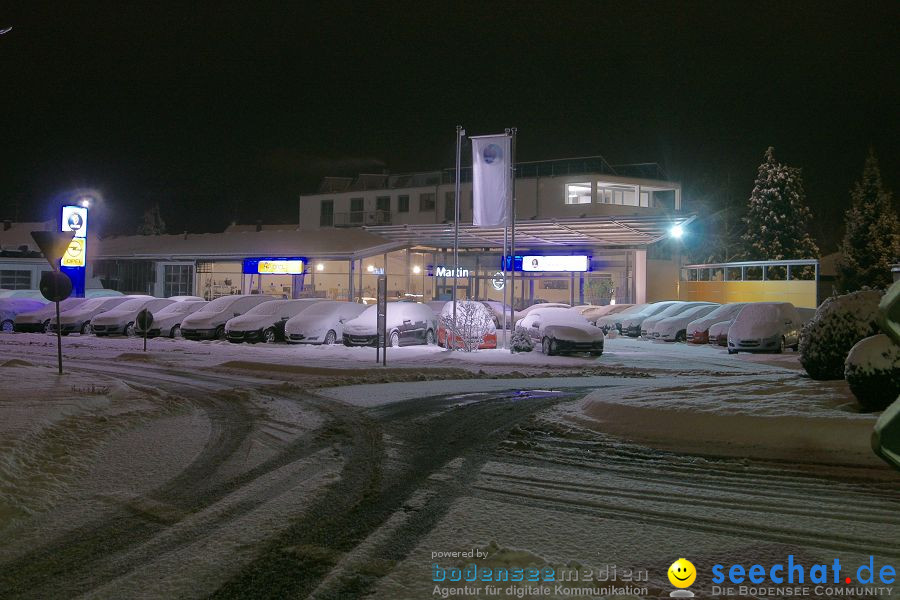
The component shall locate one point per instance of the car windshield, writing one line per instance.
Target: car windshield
(92, 303)
(724, 310)
(265, 309)
(320, 309)
(133, 304)
(760, 312)
(632, 309)
(177, 308)
(219, 304)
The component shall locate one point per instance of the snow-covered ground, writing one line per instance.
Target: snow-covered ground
(203, 453)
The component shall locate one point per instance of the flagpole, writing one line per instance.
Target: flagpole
(460, 132)
(505, 313)
(512, 236)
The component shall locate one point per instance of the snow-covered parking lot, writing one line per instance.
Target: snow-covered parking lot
(270, 470)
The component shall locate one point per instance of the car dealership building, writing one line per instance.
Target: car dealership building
(588, 232)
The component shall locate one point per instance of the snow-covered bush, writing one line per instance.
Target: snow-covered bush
(873, 371)
(520, 342)
(473, 321)
(839, 323)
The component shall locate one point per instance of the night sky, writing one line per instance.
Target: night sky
(230, 111)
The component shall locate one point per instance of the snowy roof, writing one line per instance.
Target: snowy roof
(19, 234)
(617, 230)
(236, 245)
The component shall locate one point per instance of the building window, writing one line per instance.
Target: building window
(178, 280)
(15, 280)
(426, 202)
(356, 210)
(326, 213)
(449, 206)
(554, 284)
(578, 193)
(403, 203)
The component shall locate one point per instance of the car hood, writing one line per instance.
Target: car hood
(205, 320)
(249, 322)
(353, 328)
(311, 328)
(573, 333)
(77, 315)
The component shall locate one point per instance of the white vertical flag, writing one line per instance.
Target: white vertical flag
(490, 180)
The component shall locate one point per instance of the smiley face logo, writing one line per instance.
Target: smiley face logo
(682, 573)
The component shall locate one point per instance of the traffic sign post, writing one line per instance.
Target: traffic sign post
(143, 320)
(55, 286)
(382, 320)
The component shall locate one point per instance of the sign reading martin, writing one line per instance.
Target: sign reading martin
(490, 180)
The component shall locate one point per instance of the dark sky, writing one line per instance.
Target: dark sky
(235, 108)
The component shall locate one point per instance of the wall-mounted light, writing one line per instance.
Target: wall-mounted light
(370, 268)
(417, 269)
(676, 231)
(320, 267)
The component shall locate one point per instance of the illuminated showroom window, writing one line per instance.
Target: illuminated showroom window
(578, 193)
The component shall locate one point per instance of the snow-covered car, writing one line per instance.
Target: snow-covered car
(592, 313)
(630, 324)
(321, 323)
(765, 327)
(674, 328)
(608, 322)
(407, 323)
(11, 307)
(560, 331)
(208, 323)
(718, 333)
(37, 321)
(698, 329)
(265, 322)
(526, 311)
(167, 322)
(648, 325)
(120, 320)
(477, 325)
(78, 319)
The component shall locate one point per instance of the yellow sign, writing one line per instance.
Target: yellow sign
(74, 256)
(281, 267)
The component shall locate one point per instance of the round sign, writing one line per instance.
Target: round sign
(492, 153)
(497, 281)
(55, 286)
(144, 319)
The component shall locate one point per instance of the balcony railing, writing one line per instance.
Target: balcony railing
(358, 218)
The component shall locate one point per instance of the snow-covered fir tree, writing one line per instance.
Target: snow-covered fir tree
(777, 216)
(152, 223)
(872, 240)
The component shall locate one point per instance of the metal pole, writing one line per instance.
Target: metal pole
(58, 340)
(512, 237)
(460, 132)
(503, 267)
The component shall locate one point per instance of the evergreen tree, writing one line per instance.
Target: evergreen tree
(777, 216)
(872, 239)
(153, 223)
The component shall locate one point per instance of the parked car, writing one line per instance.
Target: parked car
(321, 323)
(608, 322)
(167, 322)
(78, 319)
(407, 323)
(265, 322)
(560, 331)
(120, 320)
(209, 322)
(37, 321)
(525, 311)
(674, 328)
(592, 313)
(630, 324)
(649, 324)
(10, 308)
(718, 333)
(698, 330)
(765, 327)
(466, 310)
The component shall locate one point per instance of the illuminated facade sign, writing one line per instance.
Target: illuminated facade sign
(74, 218)
(550, 264)
(274, 266)
(442, 271)
(74, 255)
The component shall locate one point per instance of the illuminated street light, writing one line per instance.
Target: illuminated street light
(85, 202)
(676, 231)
